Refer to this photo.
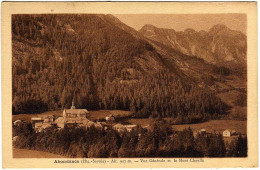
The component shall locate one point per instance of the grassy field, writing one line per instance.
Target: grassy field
(236, 112)
(28, 117)
(25, 153)
(101, 114)
(229, 97)
(210, 126)
(217, 126)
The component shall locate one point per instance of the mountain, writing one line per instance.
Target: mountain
(220, 45)
(101, 63)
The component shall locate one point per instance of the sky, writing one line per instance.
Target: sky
(180, 22)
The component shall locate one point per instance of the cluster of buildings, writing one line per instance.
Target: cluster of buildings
(226, 133)
(76, 117)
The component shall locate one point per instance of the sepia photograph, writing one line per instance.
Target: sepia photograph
(93, 86)
(129, 85)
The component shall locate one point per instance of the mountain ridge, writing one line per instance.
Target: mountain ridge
(220, 45)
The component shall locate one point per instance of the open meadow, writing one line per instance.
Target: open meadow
(216, 126)
(209, 126)
(26, 153)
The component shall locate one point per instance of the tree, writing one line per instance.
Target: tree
(63, 98)
(241, 146)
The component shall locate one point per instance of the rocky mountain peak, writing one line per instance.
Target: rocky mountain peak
(189, 31)
(218, 28)
(220, 45)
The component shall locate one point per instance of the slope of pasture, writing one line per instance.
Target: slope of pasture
(229, 97)
(27, 117)
(217, 126)
(101, 114)
(26, 153)
(236, 112)
(237, 81)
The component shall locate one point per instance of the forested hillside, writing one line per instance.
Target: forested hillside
(99, 65)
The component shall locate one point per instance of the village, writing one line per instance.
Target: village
(75, 118)
(79, 118)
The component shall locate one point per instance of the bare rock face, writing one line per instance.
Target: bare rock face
(220, 45)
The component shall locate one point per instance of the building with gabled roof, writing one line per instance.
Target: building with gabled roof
(74, 113)
(17, 122)
(228, 133)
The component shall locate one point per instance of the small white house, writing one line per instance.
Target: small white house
(228, 133)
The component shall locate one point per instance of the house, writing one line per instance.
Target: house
(76, 121)
(148, 127)
(202, 131)
(129, 128)
(121, 128)
(41, 126)
(96, 125)
(110, 118)
(17, 122)
(37, 126)
(233, 133)
(104, 125)
(228, 133)
(36, 120)
(60, 122)
(48, 119)
(15, 138)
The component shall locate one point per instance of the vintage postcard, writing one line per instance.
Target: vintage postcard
(129, 84)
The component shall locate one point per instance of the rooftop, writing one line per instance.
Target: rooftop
(76, 111)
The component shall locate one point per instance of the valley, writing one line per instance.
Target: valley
(125, 118)
(88, 85)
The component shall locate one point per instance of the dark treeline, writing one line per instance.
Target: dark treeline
(161, 141)
(86, 58)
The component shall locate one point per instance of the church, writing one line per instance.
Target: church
(72, 117)
(74, 113)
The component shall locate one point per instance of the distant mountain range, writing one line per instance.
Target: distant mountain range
(219, 46)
